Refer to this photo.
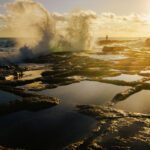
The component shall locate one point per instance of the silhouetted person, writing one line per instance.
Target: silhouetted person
(20, 73)
(106, 37)
(15, 75)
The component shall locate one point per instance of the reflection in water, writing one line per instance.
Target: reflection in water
(85, 92)
(125, 77)
(140, 102)
(48, 129)
(58, 126)
(145, 71)
(104, 57)
(28, 75)
(6, 97)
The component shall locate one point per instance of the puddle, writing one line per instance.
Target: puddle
(60, 125)
(125, 77)
(28, 75)
(85, 92)
(139, 102)
(145, 71)
(77, 78)
(105, 57)
(35, 86)
(6, 97)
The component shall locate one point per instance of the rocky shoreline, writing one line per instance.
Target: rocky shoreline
(116, 130)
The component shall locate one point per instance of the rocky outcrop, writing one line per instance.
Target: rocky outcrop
(106, 42)
(116, 130)
(107, 49)
(30, 103)
(147, 42)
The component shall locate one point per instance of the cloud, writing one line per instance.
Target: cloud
(102, 24)
(84, 14)
(115, 25)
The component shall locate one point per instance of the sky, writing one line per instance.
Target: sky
(120, 7)
(120, 18)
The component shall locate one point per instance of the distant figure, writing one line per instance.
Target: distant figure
(106, 37)
(15, 75)
(20, 73)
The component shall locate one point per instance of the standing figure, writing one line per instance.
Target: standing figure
(21, 73)
(15, 75)
(106, 37)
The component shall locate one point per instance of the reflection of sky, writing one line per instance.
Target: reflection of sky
(126, 77)
(6, 97)
(85, 92)
(138, 102)
(116, 6)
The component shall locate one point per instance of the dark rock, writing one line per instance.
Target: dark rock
(130, 131)
(107, 49)
(147, 42)
(35, 103)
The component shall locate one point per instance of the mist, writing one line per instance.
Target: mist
(38, 33)
(32, 24)
(79, 32)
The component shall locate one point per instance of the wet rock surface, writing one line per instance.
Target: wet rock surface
(106, 42)
(116, 130)
(30, 102)
(147, 42)
(116, 49)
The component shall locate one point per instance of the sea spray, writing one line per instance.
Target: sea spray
(38, 32)
(79, 30)
(32, 23)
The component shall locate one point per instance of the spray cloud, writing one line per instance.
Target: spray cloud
(38, 29)
(79, 29)
(31, 23)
